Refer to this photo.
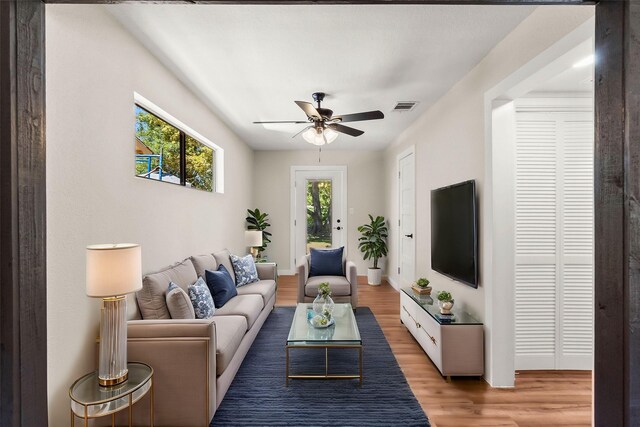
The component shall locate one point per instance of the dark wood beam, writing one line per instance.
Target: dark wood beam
(23, 319)
(336, 2)
(617, 214)
(632, 215)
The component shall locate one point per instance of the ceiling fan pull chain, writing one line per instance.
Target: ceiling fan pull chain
(319, 152)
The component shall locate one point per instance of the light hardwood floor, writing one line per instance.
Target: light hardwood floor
(540, 398)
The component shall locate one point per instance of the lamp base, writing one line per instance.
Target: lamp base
(112, 369)
(254, 252)
(108, 382)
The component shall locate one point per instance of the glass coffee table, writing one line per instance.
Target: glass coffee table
(344, 334)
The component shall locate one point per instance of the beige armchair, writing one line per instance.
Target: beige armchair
(343, 288)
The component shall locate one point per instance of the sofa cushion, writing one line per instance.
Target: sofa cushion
(229, 333)
(179, 303)
(248, 306)
(221, 286)
(264, 288)
(244, 269)
(326, 262)
(151, 298)
(340, 286)
(204, 262)
(201, 299)
(224, 258)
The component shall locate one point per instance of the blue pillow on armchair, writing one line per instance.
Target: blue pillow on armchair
(221, 285)
(326, 262)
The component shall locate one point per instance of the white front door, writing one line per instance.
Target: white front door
(406, 235)
(319, 210)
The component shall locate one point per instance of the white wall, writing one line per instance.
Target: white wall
(450, 147)
(272, 194)
(93, 68)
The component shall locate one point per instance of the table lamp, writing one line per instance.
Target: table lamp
(253, 239)
(113, 270)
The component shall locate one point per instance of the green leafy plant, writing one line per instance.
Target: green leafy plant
(259, 221)
(373, 242)
(324, 289)
(423, 282)
(444, 296)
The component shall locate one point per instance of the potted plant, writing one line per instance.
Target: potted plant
(373, 245)
(259, 221)
(421, 286)
(445, 302)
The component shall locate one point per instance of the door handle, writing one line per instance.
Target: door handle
(409, 235)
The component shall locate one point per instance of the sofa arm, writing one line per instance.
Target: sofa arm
(182, 354)
(267, 271)
(302, 271)
(352, 276)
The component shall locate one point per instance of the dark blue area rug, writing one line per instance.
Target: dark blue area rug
(258, 396)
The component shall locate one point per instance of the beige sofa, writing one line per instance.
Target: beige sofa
(194, 361)
(343, 288)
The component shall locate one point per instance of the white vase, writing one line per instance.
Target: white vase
(374, 276)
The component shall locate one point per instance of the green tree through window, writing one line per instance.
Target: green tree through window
(158, 153)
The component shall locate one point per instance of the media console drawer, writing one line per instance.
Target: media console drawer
(455, 346)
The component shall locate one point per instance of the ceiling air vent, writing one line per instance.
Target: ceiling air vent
(403, 106)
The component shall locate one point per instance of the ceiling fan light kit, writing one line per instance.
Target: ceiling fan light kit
(324, 127)
(319, 136)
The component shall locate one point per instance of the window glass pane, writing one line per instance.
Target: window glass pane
(199, 165)
(319, 214)
(157, 148)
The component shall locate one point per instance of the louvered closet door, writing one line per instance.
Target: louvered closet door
(553, 240)
(576, 275)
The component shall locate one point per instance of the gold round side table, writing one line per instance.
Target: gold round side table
(91, 400)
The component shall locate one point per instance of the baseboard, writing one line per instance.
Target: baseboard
(393, 283)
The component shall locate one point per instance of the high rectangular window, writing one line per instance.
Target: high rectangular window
(164, 152)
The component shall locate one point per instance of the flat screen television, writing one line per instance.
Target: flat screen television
(454, 232)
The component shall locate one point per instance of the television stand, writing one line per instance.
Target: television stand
(455, 344)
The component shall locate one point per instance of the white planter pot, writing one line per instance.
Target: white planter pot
(374, 276)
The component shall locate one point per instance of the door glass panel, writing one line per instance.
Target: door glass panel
(319, 195)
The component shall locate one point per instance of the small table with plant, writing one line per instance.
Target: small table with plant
(313, 329)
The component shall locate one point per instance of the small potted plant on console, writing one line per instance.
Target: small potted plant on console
(421, 286)
(445, 302)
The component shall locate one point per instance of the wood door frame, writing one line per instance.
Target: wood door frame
(23, 361)
(292, 207)
(410, 151)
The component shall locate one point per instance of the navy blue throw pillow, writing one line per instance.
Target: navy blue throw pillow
(326, 262)
(221, 285)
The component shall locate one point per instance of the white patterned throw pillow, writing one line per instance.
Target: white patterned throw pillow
(245, 270)
(201, 299)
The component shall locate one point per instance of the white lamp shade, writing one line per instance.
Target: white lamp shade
(253, 238)
(113, 269)
(330, 134)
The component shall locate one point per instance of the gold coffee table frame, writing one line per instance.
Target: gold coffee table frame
(345, 335)
(85, 391)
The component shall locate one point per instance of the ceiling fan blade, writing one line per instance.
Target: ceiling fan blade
(281, 121)
(309, 110)
(308, 127)
(358, 117)
(345, 129)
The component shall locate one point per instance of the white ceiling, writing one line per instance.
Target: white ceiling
(571, 80)
(249, 63)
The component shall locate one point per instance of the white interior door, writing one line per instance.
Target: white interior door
(406, 236)
(319, 210)
(554, 241)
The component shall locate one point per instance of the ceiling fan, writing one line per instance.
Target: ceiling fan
(324, 126)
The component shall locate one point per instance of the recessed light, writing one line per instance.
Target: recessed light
(585, 61)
